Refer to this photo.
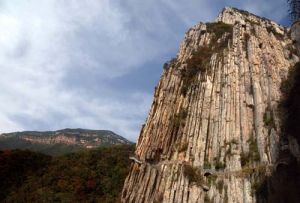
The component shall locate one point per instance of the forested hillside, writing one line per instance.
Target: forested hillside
(89, 176)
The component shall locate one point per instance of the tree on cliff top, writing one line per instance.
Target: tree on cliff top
(294, 9)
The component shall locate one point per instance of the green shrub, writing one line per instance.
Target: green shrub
(252, 155)
(183, 147)
(220, 165)
(206, 199)
(244, 159)
(220, 185)
(271, 29)
(193, 174)
(211, 179)
(206, 165)
(268, 119)
(199, 61)
(234, 141)
(228, 152)
(253, 149)
(166, 66)
(251, 22)
(246, 36)
(256, 184)
(219, 28)
(179, 118)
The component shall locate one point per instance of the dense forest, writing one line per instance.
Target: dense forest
(87, 176)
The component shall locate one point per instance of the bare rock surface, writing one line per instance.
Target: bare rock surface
(213, 129)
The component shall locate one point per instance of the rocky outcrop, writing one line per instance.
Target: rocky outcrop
(80, 137)
(55, 139)
(213, 130)
(295, 34)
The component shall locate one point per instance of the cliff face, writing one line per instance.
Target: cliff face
(295, 33)
(213, 131)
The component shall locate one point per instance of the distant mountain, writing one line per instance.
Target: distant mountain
(60, 141)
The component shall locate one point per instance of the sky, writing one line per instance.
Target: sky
(95, 63)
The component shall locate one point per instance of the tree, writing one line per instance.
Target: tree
(294, 9)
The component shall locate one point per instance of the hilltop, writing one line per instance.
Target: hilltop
(60, 141)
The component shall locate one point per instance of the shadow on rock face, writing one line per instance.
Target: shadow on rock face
(283, 186)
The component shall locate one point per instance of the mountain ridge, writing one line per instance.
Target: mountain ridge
(68, 140)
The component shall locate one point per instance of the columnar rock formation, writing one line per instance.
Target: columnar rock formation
(295, 33)
(213, 130)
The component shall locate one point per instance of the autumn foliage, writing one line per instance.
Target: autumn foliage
(89, 176)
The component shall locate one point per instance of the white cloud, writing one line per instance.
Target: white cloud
(56, 57)
(42, 42)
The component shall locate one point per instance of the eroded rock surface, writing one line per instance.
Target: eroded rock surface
(213, 129)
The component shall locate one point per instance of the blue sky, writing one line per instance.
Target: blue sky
(94, 63)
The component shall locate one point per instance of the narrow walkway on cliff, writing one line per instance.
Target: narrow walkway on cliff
(214, 172)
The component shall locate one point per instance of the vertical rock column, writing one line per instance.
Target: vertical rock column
(295, 33)
(212, 131)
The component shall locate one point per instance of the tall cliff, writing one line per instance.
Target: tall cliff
(213, 131)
